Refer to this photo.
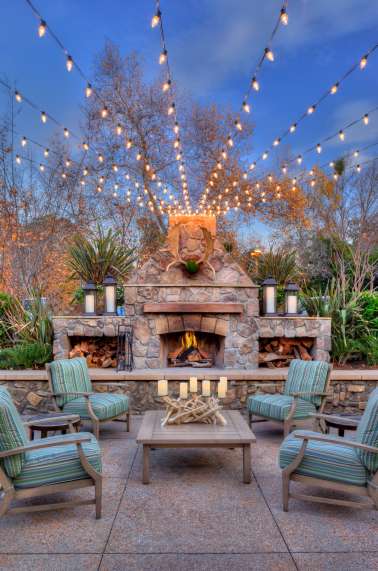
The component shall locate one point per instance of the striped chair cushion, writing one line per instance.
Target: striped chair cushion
(307, 376)
(104, 405)
(367, 433)
(57, 464)
(324, 461)
(278, 407)
(12, 433)
(70, 375)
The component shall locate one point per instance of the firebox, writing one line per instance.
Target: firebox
(192, 349)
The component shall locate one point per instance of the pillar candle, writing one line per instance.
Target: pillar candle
(222, 388)
(163, 388)
(206, 388)
(183, 390)
(193, 384)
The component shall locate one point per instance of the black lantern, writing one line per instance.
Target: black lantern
(90, 298)
(110, 294)
(291, 299)
(269, 296)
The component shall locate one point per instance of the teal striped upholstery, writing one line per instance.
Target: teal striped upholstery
(307, 376)
(278, 406)
(57, 464)
(70, 375)
(367, 433)
(12, 433)
(105, 405)
(322, 460)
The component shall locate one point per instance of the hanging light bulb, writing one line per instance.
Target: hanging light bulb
(238, 125)
(311, 110)
(176, 127)
(293, 127)
(358, 168)
(219, 165)
(366, 119)
(100, 158)
(166, 85)
(255, 83)
(115, 168)
(88, 90)
(252, 166)
(284, 169)
(42, 28)
(313, 182)
(64, 175)
(178, 157)
(43, 117)
(269, 54)
(46, 152)
(18, 96)
(41, 167)
(171, 109)
(82, 182)
(101, 180)
(230, 142)
(356, 153)
(104, 112)
(18, 159)
(119, 129)
(163, 57)
(318, 148)
(224, 154)
(129, 144)
(270, 178)
(85, 146)
(24, 141)
(265, 155)
(66, 132)
(246, 107)
(334, 88)
(155, 21)
(284, 18)
(276, 142)
(299, 159)
(363, 61)
(69, 63)
(341, 135)
(294, 181)
(98, 188)
(332, 164)
(335, 176)
(85, 171)
(311, 172)
(138, 156)
(68, 162)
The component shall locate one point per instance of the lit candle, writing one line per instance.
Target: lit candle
(206, 388)
(183, 390)
(163, 388)
(222, 387)
(193, 384)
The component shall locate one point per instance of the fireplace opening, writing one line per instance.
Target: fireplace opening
(192, 349)
(100, 352)
(277, 352)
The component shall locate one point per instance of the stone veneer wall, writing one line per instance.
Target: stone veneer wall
(347, 396)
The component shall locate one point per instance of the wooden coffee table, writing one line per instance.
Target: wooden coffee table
(236, 434)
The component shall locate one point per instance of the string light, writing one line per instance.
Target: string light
(119, 129)
(341, 135)
(255, 84)
(163, 57)
(363, 61)
(24, 141)
(366, 119)
(171, 108)
(43, 117)
(104, 112)
(318, 148)
(18, 159)
(166, 85)
(42, 28)
(18, 96)
(246, 107)
(334, 88)
(293, 127)
(269, 54)
(156, 19)
(284, 16)
(88, 90)
(46, 152)
(311, 110)
(69, 63)
(66, 132)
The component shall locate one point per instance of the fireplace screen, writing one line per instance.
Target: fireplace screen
(192, 349)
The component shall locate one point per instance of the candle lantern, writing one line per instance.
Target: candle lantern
(90, 298)
(110, 292)
(269, 296)
(291, 299)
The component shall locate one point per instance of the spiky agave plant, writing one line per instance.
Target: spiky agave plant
(277, 263)
(92, 258)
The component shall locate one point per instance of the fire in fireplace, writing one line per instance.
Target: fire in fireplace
(193, 349)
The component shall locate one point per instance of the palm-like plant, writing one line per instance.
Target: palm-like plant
(102, 253)
(277, 263)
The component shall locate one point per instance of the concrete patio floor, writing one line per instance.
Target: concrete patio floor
(196, 514)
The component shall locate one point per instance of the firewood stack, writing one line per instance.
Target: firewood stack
(278, 352)
(100, 352)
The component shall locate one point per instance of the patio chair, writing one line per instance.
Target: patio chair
(29, 469)
(72, 393)
(334, 462)
(304, 393)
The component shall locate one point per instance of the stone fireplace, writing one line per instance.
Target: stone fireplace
(218, 306)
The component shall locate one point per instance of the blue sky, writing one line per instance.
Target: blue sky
(214, 46)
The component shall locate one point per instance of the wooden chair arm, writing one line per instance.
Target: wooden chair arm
(44, 443)
(310, 394)
(65, 418)
(340, 441)
(72, 393)
(335, 418)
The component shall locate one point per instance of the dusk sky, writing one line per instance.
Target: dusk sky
(214, 46)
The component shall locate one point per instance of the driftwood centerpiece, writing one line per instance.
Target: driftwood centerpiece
(204, 409)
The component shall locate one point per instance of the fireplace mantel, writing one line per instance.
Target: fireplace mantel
(182, 307)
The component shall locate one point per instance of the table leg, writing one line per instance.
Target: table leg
(247, 463)
(341, 432)
(146, 464)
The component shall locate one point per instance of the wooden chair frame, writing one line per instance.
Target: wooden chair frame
(288, 475)
(10, 493)
(95, 420)
(289, 423)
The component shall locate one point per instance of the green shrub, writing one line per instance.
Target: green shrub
(6, 302)
(369, 305)
(26, 356)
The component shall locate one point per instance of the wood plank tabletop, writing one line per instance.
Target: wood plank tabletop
(236, 431)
